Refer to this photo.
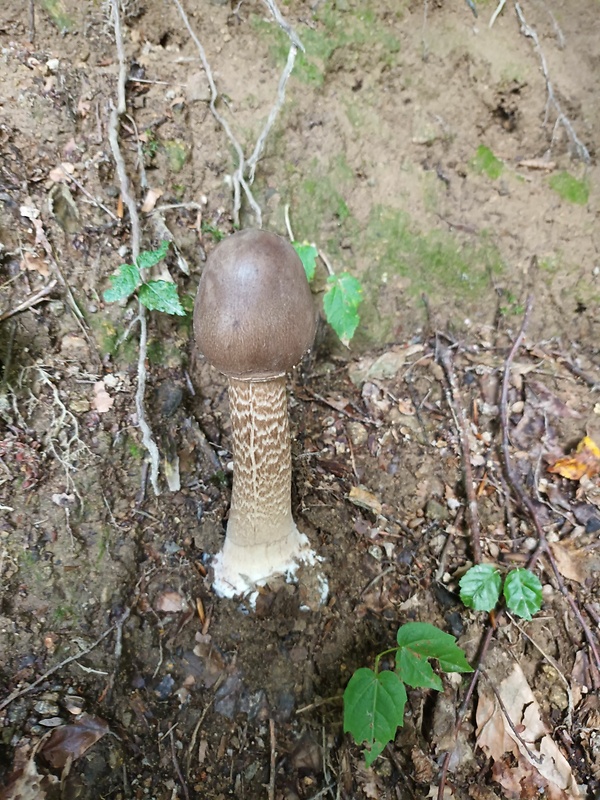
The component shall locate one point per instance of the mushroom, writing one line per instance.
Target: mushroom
(254, 319)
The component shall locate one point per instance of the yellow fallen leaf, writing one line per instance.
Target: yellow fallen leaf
(584, 462)
(152, 196)
(567, 563)
(364, 499)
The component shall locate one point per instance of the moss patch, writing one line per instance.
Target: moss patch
(335, 30)
(319, 201)
(570, 189)
(436, 262)
(486, 162)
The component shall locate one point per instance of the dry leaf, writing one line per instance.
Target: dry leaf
(364, 499)
(70, 742)
(61, 173)
(26, 783)
(406, 407)
(581, 679)
(34, 263)
(206, 663)
(171, 602)
(532, 758)
(567, 563)
(584, 463)
(64, 208)
(152, 196)
(102, 401)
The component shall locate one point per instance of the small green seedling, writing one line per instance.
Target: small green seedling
(213, 231)
(480, 590)
(150, 145)
(155, 295)
(374, 699)
(343, 295)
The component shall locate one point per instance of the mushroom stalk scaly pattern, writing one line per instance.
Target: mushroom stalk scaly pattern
(261, 533)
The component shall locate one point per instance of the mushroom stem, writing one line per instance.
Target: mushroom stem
(262, 537)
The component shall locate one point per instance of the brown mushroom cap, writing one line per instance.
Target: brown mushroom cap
(254, 316)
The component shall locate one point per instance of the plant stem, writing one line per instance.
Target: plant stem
(379, 656)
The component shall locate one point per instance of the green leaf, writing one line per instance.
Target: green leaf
(374, 709)
(424, 640)
(416, 671)
(480, 587)
(308, 256)
(124, 283)
(148, 258)
(341, 303)
(523, 592)
(161, 296)
(570, 189)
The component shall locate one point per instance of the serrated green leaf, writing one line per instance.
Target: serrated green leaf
(374, 709)
(480, 587)
(161, 296)
(308, 256)
(124, 283)
(149, 258)
(416, 671)
(430, 642)
(523, 592)
(341, 303)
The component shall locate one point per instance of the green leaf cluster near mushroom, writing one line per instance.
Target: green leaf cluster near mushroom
(158, 295)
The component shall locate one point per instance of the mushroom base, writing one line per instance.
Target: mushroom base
(239, 568)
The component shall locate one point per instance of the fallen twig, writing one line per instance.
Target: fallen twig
(177, 767)
(273, 765)
(460, 415)
(30, 301)
(542, 546)
(573, 369)
(20, 692)
(113, 137)
(239, 181)
(580, 149)
(569, 716)
(243, 176)
(89, 196)
(122, 80)
(462, 711)
(537, 759)
(497, 12)
(524, 498)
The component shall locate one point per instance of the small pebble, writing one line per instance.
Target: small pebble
(165, 687)
(52, 722)
(47, 708)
